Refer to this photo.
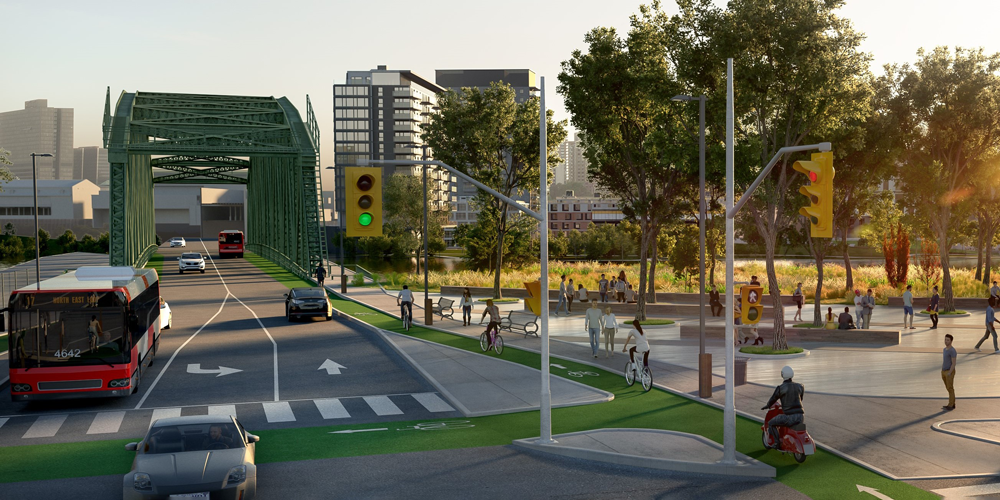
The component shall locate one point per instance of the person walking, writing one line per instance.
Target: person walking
(799, 299)
(466, 306)
(602, 288)
(593, 322)
(869, 304)
(859, 307)
(990, 329)
(715, 301)
(933, 308)
(562, 295)
(948, 371)
(570, 293)
(610, 329)
(320, 273)
(908, 307)
(620, 287)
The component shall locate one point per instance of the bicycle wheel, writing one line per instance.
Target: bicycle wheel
(484, 341)
(498, 344)
(647, 379)
(629, 374)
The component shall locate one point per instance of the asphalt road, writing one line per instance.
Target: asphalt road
(482, 473)
(232, 316)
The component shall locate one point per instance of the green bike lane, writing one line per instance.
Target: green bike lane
(822, 476)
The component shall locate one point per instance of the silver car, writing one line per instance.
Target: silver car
(191, 261)
(204, 456)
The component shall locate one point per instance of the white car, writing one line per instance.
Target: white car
(177, 242)
(191, 261)
(166, 317)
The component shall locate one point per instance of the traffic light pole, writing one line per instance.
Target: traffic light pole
(729, 417)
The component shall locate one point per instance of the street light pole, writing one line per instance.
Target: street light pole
(34, 190)
(545, 406)
(428, 307)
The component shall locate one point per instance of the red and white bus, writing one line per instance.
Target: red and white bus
(231, 243)
(86, 333)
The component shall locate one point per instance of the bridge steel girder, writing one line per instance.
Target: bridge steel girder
(199, 136)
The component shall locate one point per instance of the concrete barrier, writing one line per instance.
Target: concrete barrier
(661, 297)
(967, 303)
(652, 310)
(875, 337)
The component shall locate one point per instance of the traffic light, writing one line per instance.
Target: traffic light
(750, 304)
(363, 197)
(820, 192)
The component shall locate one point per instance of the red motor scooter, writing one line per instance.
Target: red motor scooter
(794, 440)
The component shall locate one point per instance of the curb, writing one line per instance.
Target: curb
(804, 353)
(937, 427)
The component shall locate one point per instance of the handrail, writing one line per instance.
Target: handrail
(371, 276)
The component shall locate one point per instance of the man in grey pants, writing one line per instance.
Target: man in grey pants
(562, 296)
(868, 301)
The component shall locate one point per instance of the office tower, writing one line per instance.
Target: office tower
(574, 165)
(91, 163)
(377, 115)
(39, 129)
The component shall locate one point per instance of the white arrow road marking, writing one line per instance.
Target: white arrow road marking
(196, 369)
(557, 366)
(872, 491)
(331, 367)
(969, 491)
(359, 430)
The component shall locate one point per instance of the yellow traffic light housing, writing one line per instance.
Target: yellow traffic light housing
(534, 300)
(363, 201)
(820, 172)
(751, 298)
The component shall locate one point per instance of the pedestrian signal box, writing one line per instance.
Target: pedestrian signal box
(820, 172)
(363, 201)
(752, 297)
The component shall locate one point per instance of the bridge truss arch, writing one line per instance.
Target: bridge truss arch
(261, 142)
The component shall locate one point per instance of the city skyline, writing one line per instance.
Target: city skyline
(163, 50)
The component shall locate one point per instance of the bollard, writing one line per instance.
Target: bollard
(428, 311)
(705, 375)
(343, 283)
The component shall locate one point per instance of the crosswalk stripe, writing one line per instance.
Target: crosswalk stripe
(45, 426)
(222, 410)
(432, 402)
(279, 411)
(3, 421)
(107, 422)
(331, 408)
(382, 405)
(164, 413)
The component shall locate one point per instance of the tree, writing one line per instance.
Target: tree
(684, 258)
(987, 210)
(798, 74)
(948, 106)
(619, 95)
(488, 136)
(67, 240)
(43, 240)
(480, 240)
(5, 174)
(403, 206)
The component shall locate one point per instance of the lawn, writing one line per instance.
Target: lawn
(156, 262)
(946, 313)
(3, 342)
(769, 350)
(500, 301)
(655, 322)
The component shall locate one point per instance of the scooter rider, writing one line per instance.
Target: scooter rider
(791, 395)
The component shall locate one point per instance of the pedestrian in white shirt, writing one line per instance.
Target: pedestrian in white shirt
(908, 307)
(610, 329)
(641, 346)
(466, 306)
(859, 308)
(593, 322)
(562, 296)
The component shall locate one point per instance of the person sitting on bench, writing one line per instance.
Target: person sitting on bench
(846, 320)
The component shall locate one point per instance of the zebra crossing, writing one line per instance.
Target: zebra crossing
(106, 424)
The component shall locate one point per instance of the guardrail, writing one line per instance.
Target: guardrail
(364, 272)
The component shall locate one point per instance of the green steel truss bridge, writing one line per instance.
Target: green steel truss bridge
(261, 142)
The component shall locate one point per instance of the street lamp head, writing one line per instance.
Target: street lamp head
(681, 98)
(41, 154)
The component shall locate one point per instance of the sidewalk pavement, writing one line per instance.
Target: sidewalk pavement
(890, 433)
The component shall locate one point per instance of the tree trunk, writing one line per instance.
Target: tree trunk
(500, 234)
(980, 237)
(847, 259)
(818, 307)
(780, 343)
(646, 228)
(651, 290)
(989, 257)
(947, 295)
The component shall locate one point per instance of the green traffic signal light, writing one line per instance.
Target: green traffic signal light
(365, 219)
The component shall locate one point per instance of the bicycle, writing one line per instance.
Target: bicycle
(406, 317)
(645, 377)
(491, 339)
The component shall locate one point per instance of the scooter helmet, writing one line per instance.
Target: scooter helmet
(787, 372)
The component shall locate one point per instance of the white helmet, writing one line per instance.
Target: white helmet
(787, 372)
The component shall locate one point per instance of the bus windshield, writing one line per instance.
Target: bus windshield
(232, 238)
(68, 329)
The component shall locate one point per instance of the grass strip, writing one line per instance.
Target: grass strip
(156, 262)
(945, 313)
(654, 322)
(500, 301)
(823, 476)
(769, 350)
(3, 343)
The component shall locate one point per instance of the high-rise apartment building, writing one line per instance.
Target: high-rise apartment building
(91, 163)
(574, 165)
(378, 115)
(524, 84)
(39, 129)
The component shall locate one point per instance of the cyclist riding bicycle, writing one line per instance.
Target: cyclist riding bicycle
(641, 346)
(405, 301)
(494, 323)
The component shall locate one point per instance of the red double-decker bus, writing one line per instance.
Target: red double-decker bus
(86, 333)
(231, 243)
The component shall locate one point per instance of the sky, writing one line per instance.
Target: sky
(70, 52)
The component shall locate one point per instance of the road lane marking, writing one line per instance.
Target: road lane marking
(280, 411)
(3, 421)
(222, 410)
(332, 367)
(331, 408)
(274, 345)
(382, 405)
(196, 369)
(106, 422)
(164, 413)
(977, 490)
(432, 402)
(352, 431)
(45, 426)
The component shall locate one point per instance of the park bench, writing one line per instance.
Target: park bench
(521, 320)
(443, 307)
